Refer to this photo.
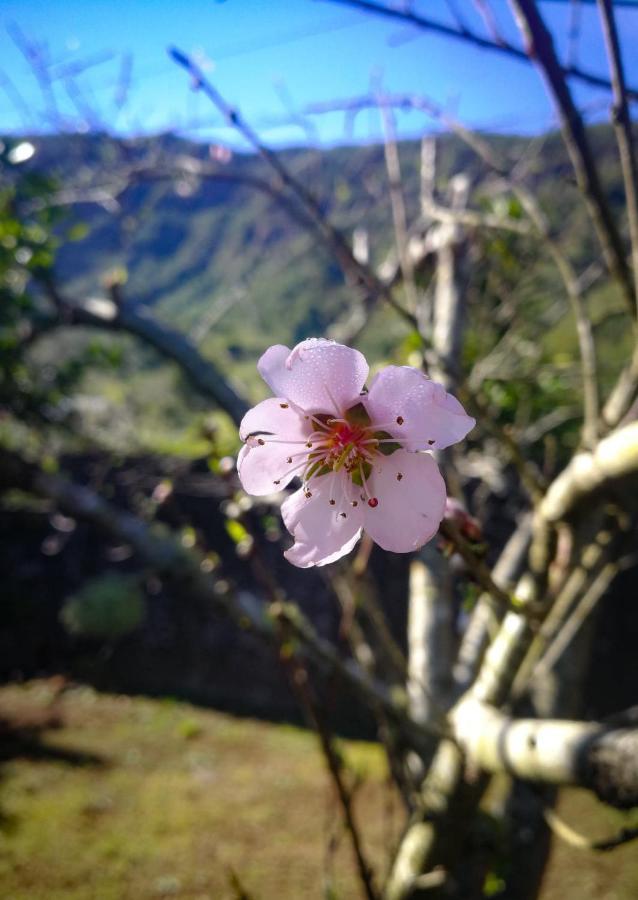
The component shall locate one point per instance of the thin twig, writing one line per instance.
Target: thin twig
(575, 9)
(591, 561)
(354, 271)
(623, 129)
(575, 839)
(541, 48)
(165, 554)
(397, 202)
(574, 286)
(356, 597)
(119, 315)
(486, 615)
(485, 11)
(475, 565)
(571, 626)
(299, 680)
(623, 395)
(406, 15)
(563, 636)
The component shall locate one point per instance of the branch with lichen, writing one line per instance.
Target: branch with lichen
(117, 314)
(599, 757)
(609, 753)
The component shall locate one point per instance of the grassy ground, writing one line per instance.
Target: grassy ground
(136, 798)
(112, 798)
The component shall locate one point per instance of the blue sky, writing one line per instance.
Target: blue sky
(271, 58)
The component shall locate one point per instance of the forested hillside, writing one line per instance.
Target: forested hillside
(203, 238)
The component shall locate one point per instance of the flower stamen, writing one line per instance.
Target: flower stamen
(372, 501)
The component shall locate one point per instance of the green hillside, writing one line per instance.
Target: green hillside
(225, 262)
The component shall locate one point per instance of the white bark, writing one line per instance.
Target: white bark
(485, 619)
(614, 457)
(551, 751)
(430, 635)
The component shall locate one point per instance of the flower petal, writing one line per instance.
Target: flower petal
(274, 416)
(261, 466)
(431, 418)
(411, 494)
(323, 531)
(317, 375)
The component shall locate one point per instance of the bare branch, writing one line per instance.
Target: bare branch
(430, 632)
(300, 683)
(575, 9)
(622, 126)
(485, 10)
(590, 754)
(500, 46)
(167, 556)
(541, 48)
(475, 565)
(575, 839)
(614, 458)
(119, 315)
(583, 609)
(397, 202)
(428, 171)
(574, 286)
(587, 565)
(35, 56)
(487, 616)
(356, 273)
(472, 218)
(624, 394)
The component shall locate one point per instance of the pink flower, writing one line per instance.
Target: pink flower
(359, 454)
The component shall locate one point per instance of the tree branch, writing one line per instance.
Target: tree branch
(397, 201)
(623, 395)
(541, 48)
(572, 837)
(472, 37)
(614, 458)
(166, 555)
(300, 683)
(120, 315)
(487, 616)
(589, 754)
(574, 288)
(622, 126)
(355, 272)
